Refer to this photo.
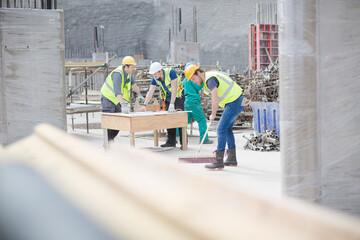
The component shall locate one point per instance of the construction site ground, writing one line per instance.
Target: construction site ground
(256, 171)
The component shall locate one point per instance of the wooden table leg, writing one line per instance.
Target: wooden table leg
(132, 139)
(87, 123)
(72, 121)
(156, 138)
(184, 140)
(191, 128)
(106, 142)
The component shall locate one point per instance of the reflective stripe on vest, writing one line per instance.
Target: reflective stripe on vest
(166, 72)
(107, 89)
(228, 90)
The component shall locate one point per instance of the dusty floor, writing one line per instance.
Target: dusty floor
(256, 171)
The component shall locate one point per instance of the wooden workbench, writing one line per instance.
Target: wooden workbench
(144, 121)
(76, 108)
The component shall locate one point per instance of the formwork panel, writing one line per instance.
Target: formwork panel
(183, 52)
(32, 77)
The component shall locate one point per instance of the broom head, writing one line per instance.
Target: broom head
(198, 159)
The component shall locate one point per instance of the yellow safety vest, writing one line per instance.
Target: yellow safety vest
(180, 88)
(107, 90)
(228, 90)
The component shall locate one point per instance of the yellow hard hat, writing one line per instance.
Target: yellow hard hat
(128, 60)
(190, 70)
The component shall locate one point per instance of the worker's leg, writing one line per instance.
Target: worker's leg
(237, 109)
(230, 139)
(188, 108)
(227, 120)
(199, 116)
(108, 106)
(221, 131)
(180, 104)
(171, 133)
(171, 138)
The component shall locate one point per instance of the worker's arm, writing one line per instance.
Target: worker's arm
(174, 90)
(196, 86)
(173, 95)
(214, 103)
(136, 88)
(150, 94)
(117, 81)
(139, 95)
(148, 97)
(124, 104)
(121, 100)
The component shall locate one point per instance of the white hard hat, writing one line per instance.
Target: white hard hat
(155, 67)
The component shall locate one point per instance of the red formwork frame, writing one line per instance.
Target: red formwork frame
(262, 38)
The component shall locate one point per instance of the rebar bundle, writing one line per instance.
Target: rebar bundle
(267, 141)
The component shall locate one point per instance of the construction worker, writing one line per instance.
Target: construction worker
(115, 92)
(228, 95)
(193, 104)
(172, 91)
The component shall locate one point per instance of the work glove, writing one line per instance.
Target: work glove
(171, 108)
(245, 102)
(125, 108)
(141, 98)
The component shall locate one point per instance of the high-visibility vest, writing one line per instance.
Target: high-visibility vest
(180, 88)
(107, 90)
(228, 90)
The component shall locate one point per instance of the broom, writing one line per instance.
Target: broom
(197, 158)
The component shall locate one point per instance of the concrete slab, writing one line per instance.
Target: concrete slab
(257, 171)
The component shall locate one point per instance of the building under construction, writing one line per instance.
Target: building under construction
(296, 142)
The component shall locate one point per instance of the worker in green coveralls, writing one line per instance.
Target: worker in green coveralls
(193, 103)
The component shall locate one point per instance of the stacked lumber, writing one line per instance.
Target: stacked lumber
(114, 194)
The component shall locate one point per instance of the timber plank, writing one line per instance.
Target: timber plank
(138, 194)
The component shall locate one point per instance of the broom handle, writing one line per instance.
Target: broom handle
(198, 150)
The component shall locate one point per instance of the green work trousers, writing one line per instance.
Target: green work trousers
(199, 116)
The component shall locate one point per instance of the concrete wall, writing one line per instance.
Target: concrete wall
(183, 52)
(130, 25)
(32, 78)
(320, 101)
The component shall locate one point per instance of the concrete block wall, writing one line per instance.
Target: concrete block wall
(222, 27)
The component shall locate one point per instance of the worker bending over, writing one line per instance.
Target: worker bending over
(193, 104)
(115, 92)
(226, 94)
(172, 94)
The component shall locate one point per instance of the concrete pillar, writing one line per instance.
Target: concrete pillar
(298, 99)
(320, 101)
(32, 75)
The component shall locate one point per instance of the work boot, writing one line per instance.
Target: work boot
(231, 158)
(167, 144)
(219, 161)
(171, 138)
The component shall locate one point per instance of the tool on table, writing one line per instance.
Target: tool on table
(197, 158)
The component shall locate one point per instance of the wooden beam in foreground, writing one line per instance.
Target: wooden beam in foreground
(137, 194)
